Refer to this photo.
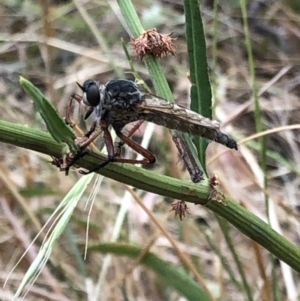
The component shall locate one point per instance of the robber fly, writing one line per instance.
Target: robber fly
(119, 102)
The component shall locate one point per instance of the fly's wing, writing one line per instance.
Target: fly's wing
(175, 117)
(172, 116)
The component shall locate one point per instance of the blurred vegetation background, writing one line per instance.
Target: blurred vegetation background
(56, 43)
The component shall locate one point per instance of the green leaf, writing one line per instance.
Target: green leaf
(56, 126)
(171, 275)
(200, 90)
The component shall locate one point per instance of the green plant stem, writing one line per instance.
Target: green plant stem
(155, 70)
(215, 54)
(245, 221)
(173, 276)
(224, 226)
(257, 109)
(223, 260)
(259, 126)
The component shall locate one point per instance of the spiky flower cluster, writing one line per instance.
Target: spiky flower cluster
(180, 209)
(153, 43)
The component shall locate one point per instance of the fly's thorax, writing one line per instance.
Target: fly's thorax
(102, 94)
(98, 112)
(123, 92)
(104, 102)
(117, 101)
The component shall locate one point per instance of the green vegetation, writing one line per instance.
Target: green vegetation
(243, 62)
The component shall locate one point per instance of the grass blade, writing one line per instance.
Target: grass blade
(173, 276)
(200, 89)
(56, 126)
(64, 211)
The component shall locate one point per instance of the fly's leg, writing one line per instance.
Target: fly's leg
(121, 143)
(78, 98)
(83, 142)
(109, 146)
(69, 111)
(186, 155)
(66, 163)
(148, 156)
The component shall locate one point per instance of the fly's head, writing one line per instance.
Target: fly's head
(94, 96)
(93, 93)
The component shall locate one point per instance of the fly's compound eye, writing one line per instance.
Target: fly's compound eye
(91, 93)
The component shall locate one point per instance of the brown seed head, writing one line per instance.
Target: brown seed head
(213, 181)
(152, 42)
(180, 209)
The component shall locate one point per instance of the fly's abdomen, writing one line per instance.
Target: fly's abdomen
(225, 140)
(172, 116)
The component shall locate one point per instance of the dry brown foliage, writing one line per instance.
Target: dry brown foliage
(50, 43)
